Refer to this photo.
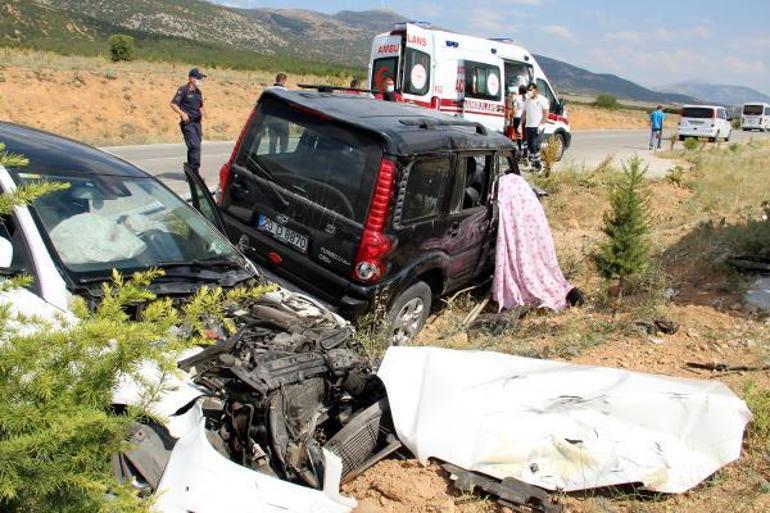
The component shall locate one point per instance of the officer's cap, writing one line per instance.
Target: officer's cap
(196, 73)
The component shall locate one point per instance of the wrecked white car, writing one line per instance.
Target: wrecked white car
(274, 417)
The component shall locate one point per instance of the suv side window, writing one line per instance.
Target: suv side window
(472, 181)
(425, 187)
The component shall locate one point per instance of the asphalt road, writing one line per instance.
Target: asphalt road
(588, 149)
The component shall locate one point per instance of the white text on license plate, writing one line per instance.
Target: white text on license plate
(282, 233)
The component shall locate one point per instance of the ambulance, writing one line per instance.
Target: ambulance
(462, 75)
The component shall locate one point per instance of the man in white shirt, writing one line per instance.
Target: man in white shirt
(534, 119)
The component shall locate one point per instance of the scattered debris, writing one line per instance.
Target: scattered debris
(750, 264)
(475, 311)
(726, 368)
(670, 293)
(510, 492)
(560, 426)
(664, 326)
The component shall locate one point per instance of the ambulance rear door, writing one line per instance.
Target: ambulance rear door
(386, 56)
(417, 73)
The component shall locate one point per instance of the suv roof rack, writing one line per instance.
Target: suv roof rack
(430, 123)
(323, 88)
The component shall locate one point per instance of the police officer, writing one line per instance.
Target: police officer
(188, 104)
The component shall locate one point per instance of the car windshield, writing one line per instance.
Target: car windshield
(307, 155)
(698, 112)
(103, 222)
(752, 110)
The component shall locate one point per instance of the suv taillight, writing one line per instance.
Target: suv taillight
(225, 170)
(374, 245)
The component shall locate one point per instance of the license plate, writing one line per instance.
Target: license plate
(282, 233)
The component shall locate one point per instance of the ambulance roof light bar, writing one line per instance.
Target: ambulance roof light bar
(401, 26)
(508, 40)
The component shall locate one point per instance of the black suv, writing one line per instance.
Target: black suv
(369, 205)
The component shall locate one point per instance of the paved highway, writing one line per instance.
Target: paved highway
(588, 149)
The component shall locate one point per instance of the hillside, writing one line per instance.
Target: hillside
(722, 94)
(212, 35)
(345, 37)
(567, 77)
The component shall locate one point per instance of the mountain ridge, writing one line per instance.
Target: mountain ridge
(722, 94)
(183, 26)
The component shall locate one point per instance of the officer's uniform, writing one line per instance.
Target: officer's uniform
(190, 100)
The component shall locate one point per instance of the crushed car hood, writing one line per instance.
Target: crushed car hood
(561, 426)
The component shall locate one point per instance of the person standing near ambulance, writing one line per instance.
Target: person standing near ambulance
(389, 93)
(517, 107)
(534, 119)
(188, 105)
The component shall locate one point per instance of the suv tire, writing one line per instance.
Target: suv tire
(408, 313)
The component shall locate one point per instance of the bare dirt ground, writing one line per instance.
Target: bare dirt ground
(714, 326)
(101, 102)
(586, 117)
(105, 103)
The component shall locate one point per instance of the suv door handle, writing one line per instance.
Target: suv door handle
(454, 229)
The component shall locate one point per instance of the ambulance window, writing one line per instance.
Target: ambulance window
(482, 81)
(545, 90)
(416, 72)
(518, 74)
(382, 69)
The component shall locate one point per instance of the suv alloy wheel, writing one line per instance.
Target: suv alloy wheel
(408, 313)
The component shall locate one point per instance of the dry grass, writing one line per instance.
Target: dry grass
(105, 103)
(719, 188)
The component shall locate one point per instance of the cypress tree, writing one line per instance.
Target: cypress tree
(626, 251)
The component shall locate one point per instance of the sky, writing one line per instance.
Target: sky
(652, 42)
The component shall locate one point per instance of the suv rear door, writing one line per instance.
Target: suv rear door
(299, 191)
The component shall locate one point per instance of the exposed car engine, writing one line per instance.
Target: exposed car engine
(283, 387)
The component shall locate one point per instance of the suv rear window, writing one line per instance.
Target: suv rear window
(698, 112)
(752, 110)
(307, 155)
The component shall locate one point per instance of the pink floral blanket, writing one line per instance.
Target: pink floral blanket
(526, 269)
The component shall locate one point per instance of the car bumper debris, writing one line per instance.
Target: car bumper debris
(561, 426)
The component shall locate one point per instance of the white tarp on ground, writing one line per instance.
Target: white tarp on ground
(561, 426)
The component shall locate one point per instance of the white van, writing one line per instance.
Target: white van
(462, 75)
(704, 121)
(755, 116)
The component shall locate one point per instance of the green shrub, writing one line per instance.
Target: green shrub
(676, 175)
(122, 47)
(58, 429)
(626, 252)
(758, 400)
(691, 144)
(606, 101)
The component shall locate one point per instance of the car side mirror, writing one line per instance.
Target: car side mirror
(6, 253)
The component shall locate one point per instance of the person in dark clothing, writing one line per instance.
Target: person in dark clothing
(188, 105)
(389, 93)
